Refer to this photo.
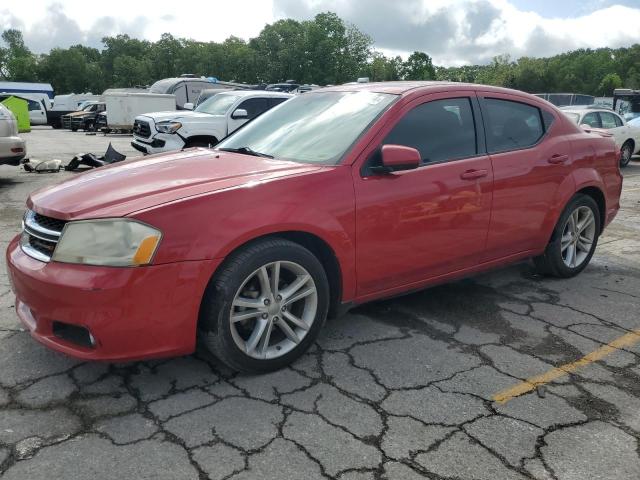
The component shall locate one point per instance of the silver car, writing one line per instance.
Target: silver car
(12, 147)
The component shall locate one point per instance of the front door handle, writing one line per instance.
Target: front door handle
(556, 159)
(474, 174)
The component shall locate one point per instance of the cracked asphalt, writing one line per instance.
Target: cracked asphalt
(398, 389)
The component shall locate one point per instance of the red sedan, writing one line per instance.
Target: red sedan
(334, 198)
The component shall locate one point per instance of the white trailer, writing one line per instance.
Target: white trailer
(124, 107)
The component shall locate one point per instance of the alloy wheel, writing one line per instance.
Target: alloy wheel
(273, 310)
(625, 155)
(578, 235)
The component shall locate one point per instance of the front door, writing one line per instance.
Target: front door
(418, 224)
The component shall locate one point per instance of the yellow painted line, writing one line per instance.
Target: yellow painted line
(530, 384)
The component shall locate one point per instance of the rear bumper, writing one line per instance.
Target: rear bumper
(12, 150)
(130, 313)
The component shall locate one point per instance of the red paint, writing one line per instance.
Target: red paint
(390, 233)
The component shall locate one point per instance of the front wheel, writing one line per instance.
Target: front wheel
(265, 307)
(573, 241)
(626, 153)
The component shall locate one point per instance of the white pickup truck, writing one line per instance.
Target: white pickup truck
(209, 123)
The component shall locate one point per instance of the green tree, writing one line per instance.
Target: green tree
(609, 83)
(418, 66)
(17, 63)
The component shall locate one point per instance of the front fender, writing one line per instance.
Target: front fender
(212, 226)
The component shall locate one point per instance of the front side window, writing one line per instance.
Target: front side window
(217, 105)
(592, 119)
(33, 105)
(440, 130)
(312, 128)
(511, 125)
(254, 107)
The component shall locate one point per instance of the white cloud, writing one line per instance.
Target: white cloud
(454, 32)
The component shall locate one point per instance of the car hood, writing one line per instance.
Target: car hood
(121, 189)
(179, 115)
(79, 113)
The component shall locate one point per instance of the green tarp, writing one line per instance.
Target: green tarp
(20, 109)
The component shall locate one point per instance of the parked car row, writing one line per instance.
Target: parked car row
(331, 199)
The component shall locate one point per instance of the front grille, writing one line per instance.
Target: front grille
(141, 128)
(66, 121)
(49, 222)
(40, 235)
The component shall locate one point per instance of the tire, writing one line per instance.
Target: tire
(89, 127)
(241, 344)
(74, 129)
(626, 152)
(556, 259)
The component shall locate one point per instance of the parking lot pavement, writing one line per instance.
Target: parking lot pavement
(427, 385)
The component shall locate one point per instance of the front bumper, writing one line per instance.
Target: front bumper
(130, 313)
(158, 143)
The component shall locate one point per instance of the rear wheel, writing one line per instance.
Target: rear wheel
(626, 153)
(574, 239)
(265, 307)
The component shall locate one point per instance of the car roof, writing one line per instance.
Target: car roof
(586, 109)
(403, 87)
(259, 93)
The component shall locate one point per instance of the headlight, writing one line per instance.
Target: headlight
(117, 243)
(168, 127)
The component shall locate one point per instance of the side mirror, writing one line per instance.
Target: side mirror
(399, 157)
(585, 126)
(240, 113)
(188, 106)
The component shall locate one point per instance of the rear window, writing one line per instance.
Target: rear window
(512, 125)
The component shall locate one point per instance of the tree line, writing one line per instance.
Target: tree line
(325, 50)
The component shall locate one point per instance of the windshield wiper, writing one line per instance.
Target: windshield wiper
(246, 151)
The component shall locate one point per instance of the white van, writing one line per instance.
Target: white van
(36, 107)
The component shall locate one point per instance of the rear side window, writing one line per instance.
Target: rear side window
(254, 107)
(512, 125)
(440, 130)
(618, 121)
(608, 120)
(276, 101)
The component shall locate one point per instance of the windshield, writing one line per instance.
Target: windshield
(575, 118)
(312, 128)
(217, 105)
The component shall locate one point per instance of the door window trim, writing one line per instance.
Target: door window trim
(481, 150)
(483, 107)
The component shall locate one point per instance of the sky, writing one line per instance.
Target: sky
(453, 32)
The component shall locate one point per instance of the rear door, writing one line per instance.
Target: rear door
(617, 128)
(419, 224)
(529, 164)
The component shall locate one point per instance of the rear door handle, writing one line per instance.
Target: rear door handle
(473, 174)
(555, 159)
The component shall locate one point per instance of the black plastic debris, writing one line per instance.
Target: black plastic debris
(93, 161)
